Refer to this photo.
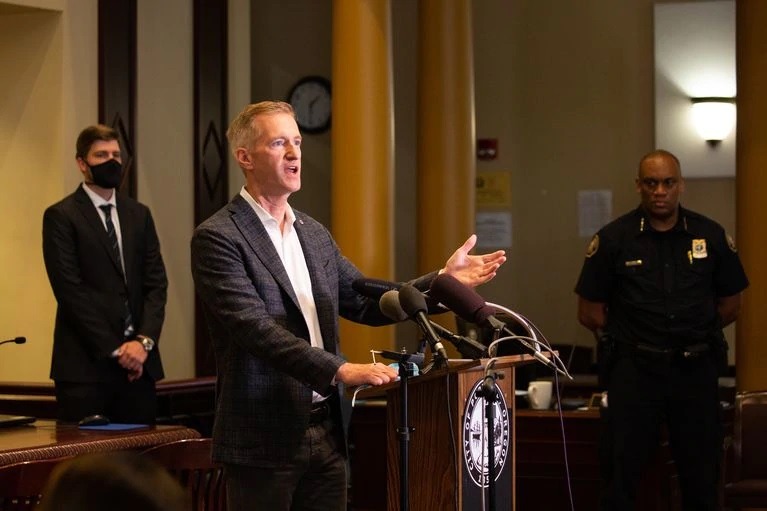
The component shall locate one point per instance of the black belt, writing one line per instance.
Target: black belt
(691, 351)
(320, 412)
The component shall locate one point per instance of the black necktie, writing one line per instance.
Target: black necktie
(112, 234)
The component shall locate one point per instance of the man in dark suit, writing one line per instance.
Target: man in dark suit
(103, 260)
(273, 283)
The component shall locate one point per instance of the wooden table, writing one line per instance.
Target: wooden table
(46, 439)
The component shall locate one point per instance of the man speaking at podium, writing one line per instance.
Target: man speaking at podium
(658, 285)
(273, 283)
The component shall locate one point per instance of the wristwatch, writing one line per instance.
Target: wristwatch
(147, 343)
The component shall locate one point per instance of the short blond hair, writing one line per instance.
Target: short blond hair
(242, 131)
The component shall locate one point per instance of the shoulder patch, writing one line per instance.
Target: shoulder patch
(731, 243)
(593, 246)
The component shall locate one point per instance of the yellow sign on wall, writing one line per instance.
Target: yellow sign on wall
(493, 189)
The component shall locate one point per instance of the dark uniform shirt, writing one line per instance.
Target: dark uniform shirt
(661, 288)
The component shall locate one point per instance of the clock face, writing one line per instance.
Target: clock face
(310, 98)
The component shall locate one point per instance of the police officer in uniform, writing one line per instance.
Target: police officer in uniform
(657, 286)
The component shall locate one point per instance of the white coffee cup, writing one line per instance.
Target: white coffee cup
(539, 394)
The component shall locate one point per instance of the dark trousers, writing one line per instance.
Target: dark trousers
(644, 391)
(316, 481)
(121, 401)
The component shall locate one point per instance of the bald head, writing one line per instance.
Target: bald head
(662, 155)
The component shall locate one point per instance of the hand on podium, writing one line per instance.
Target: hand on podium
(361, 374)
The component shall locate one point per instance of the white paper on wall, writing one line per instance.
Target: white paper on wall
(595, 209)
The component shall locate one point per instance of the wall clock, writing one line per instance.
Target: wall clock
(310, 98)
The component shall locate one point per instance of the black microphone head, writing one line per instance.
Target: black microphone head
(389, 305)
(374, 288)
(461, 299)
(20, 340)
(412, 300)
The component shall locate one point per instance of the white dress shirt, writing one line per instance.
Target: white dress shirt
(291, 254)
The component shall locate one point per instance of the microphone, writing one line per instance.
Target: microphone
(374, 288)
(469, 305)
(469, 348)
(464, 301)
(17, 340)
(390, 307)
(414, 304)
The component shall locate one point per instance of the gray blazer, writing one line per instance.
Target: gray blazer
(266, 366)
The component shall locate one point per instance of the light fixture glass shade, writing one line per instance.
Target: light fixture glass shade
(714, 118)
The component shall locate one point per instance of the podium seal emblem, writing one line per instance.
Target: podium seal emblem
(474, 440)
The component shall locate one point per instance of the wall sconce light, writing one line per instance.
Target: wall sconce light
(714, 118)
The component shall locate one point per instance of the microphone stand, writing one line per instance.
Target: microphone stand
(406, 370)
(437, 361)
(489, 392)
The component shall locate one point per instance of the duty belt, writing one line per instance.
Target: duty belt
(689, 352)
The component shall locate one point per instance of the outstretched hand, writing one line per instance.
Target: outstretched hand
(473, 270)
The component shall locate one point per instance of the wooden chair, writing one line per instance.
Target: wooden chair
(190, 462)
(745, 472)
(21, 484)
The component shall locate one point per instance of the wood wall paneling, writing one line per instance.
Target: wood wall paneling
(210, 148)
(117, 79)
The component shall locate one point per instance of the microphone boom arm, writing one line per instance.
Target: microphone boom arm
(465, 346)
(554, 363)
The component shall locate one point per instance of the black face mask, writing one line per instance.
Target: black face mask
(108, 174)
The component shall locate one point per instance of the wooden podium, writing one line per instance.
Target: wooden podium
(446, 440)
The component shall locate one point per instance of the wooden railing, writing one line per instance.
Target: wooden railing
(189, 402)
